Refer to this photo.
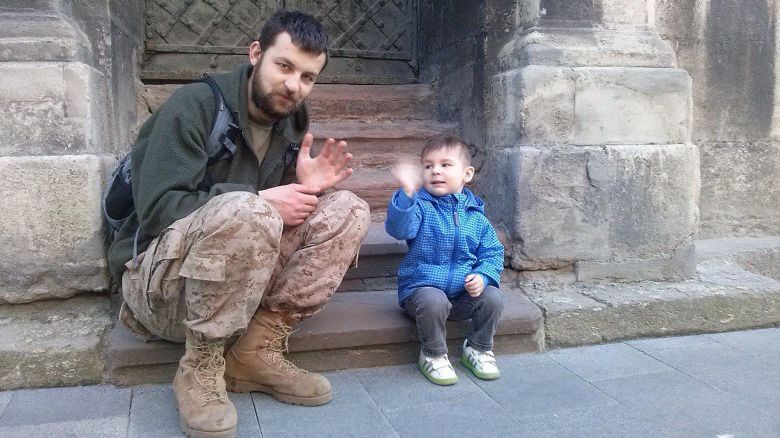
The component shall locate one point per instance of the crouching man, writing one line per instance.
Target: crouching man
(244, 246)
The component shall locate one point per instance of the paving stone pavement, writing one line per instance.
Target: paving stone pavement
(721, 386)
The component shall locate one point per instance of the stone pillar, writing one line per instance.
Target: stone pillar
(68, 95)
(58, 139)
(589, 160)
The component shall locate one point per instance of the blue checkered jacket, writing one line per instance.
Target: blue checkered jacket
(449, 237)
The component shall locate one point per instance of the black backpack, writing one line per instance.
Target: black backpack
(118, 202)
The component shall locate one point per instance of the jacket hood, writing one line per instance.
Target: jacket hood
(472, 202)
(233, 86)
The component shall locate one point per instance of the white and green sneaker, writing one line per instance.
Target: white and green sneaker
(438, 370)
(481, 363)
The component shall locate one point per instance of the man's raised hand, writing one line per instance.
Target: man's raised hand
(294, 202)
(325, 170)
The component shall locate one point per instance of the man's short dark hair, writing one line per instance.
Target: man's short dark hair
(305, 32)
(448, 142)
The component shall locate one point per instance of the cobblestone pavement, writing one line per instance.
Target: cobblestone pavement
(720, 385)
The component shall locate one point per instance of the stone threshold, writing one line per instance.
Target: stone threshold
(356, 329)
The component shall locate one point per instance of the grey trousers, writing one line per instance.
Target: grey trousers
(430, 307)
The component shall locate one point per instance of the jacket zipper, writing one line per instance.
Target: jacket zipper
(454, 244)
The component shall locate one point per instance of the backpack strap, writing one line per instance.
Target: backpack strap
(220, 144)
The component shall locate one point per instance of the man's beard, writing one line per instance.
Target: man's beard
(263, 98)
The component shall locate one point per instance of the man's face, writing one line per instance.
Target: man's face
(282, 78)
(444, 171)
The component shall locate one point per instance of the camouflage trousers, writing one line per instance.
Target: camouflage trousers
(210, 271)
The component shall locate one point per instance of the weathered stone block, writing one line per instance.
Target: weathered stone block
(17, 84)
(740, 193)
(632, 106)
(531, 105)
(653, 199)
(553, 203)
(43, 36)
(619, 212)
(63, 111)
(541, 105)
(586, 47)
(608, 12)
(53, 343)
(678, 264)
(51, 235)
(623, 11)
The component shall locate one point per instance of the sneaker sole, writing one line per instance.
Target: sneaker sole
(482, 376)
(243, 386)
(440, 382)
(195, 433)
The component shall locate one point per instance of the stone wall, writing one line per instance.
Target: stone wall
(730, 50)
(590, 165)
(451, 53)
(68, 90)
(458, 51)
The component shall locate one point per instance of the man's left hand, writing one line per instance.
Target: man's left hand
(328, 168)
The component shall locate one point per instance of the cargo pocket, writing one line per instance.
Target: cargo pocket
(205, 267)
(164, 285)
(208, 271)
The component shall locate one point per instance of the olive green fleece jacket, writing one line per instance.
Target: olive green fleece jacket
(171, 178)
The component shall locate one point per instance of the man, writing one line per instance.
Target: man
(230, 248)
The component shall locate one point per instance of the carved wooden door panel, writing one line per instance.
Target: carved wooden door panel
(372, 41)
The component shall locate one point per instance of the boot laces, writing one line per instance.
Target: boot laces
(279, 345)
(209, 367)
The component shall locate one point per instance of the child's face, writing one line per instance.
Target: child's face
(444, 171)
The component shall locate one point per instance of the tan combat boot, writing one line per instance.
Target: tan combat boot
(256, 363)
(199, 387)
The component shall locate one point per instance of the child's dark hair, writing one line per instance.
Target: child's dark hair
(448, 142)
(305, 32)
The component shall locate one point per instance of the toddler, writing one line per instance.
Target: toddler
(454, 262)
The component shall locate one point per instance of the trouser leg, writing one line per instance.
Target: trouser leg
(430, 308)
(315, 255)
(207, 271)
(484, 311)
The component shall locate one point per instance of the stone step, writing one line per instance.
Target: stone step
(382, 124)
(380, 255)
(376, 147)
(344, 102)
(371, 102)
(375, 186)
(357, 329)
(366, 139)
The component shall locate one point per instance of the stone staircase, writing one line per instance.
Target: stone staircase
(363, 324)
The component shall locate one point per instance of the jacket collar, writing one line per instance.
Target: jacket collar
(466, 197)
(233, 86)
